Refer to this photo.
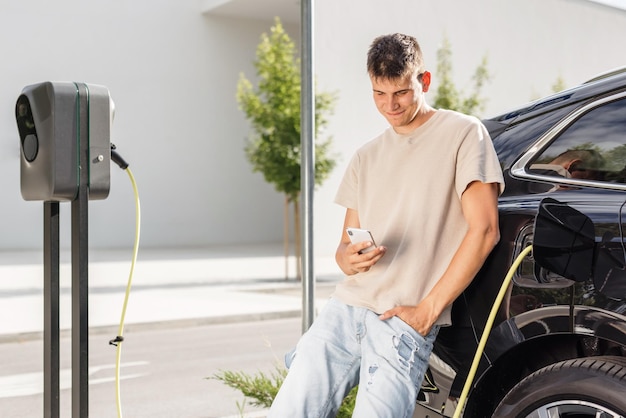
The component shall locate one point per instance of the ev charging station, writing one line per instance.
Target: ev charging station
(65, 130)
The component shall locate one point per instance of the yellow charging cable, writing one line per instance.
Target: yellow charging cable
(483, 339)
(119, 339)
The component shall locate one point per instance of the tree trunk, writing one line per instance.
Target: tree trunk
(297, 235)
(286, 236)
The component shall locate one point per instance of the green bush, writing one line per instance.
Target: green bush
(261, 389)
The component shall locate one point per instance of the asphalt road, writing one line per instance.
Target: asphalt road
(164, 371)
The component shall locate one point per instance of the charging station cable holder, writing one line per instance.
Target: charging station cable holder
(65, 154)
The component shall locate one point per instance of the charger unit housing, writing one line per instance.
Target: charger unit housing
(53, 119)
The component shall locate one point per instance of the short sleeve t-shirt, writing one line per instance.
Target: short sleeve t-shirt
(407, 191)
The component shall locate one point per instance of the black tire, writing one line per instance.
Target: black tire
(579, 388)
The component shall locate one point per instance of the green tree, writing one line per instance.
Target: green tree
(447, 95)
(273, 109)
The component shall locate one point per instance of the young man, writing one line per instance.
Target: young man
(427, 189)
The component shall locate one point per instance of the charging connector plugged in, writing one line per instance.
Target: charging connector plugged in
(117, 158)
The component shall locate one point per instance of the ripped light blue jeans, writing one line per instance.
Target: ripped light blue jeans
(346, 346)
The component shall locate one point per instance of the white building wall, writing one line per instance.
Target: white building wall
(172, 72)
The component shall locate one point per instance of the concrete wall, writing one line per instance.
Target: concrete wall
(172, 72)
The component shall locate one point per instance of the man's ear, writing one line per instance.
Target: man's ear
(425, 81)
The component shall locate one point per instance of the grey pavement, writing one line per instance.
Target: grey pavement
(170, 287)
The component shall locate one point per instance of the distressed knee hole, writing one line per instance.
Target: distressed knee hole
(372, 370)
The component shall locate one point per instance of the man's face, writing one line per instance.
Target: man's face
(400, 100)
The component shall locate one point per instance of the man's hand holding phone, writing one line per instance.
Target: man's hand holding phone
(358, 236)
(363, 250)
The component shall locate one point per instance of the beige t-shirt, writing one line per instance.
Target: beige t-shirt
(407, 190)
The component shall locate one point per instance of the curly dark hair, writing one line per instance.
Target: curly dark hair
(394, 56)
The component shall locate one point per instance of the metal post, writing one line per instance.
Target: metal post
(51, 350)
(80, 282)
(307, 132)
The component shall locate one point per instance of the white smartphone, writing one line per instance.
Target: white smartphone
(359, 235)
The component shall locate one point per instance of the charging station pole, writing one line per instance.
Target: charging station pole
(80, 270)
(51, 352)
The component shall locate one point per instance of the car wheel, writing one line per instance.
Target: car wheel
(579, 388)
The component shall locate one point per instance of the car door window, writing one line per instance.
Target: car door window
(593, 147)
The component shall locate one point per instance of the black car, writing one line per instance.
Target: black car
(557, 347)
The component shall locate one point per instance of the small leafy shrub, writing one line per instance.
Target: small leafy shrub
(261, 389)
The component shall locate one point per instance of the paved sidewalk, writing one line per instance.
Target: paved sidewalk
(169, 287)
